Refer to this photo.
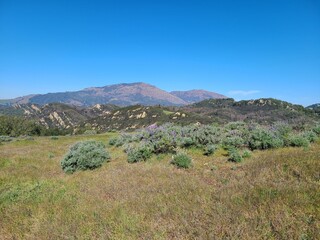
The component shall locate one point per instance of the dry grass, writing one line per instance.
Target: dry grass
(273, 195)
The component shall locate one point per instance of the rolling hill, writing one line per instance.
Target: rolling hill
(111, 117)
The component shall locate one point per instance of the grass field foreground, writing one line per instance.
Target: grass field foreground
(272, 195)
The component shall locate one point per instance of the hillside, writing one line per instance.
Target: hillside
(119, 94)
(110, 117)
(315, 108)
(263, 111)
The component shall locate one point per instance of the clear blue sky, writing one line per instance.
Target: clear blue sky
(243, 49)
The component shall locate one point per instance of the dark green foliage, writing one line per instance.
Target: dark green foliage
(182, 160)
(113, 141)
(84, 155)
(139, 154)
(234, 155)
(209, 149)
(17, 126)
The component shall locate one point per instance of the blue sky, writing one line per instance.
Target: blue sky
(243, 49)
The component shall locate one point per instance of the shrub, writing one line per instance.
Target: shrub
(246, 154)
(298, 141)
(164, 144)
(113, 141)
(263, 139)
(138, 154)
(90, 132)
(182, 160)
(84, 155)
(54, 138)
(316, 129)
(186, 142)
(310, 136)
(235, 141)
(209, 149)
(6, 139)
(234, 155)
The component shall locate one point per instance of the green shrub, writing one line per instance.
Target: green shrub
(186, 142)
(6, 139)
(264, 139)
(54, 138)
(166, 144)
(298, 141)
(113, 141)
(234, 155)
(246, 154)
(84, 155)
(209, 149)
(316, 129)
(310, 136)
(90, 132)
(181, 160)
(235, 141)
(139, 154)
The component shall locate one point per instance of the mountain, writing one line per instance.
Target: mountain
(125, 94)
(212, 111)
(193, 96)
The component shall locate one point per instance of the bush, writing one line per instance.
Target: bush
(84, 155)
(90, 132)
(263, 139)
(316, 129)
(182, 160)
(186, 142)
(310, 136)
(6, 139)
(246, 154)
(140, 153)
(298, 141)
(209, 149)
(113, 141)
(234, 155)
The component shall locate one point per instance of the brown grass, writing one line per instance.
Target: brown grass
(273, 195)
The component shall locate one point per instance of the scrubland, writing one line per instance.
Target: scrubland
(274, 194)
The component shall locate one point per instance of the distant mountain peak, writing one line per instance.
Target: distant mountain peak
(122, 94)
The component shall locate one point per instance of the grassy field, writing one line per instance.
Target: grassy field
(273, 195)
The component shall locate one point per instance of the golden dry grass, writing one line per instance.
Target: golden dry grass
(273, 195)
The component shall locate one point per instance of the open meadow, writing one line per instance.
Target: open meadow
(274, 194)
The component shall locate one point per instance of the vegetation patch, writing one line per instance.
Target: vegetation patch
(234, 137)
(181, 160)
(84, 155)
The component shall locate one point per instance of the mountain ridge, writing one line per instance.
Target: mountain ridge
(123, 94)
